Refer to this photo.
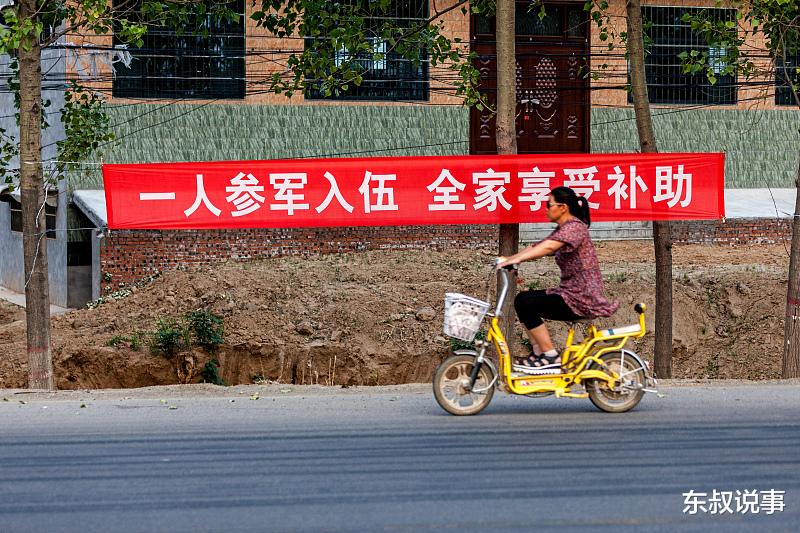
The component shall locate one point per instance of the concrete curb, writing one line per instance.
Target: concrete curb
(208, 391)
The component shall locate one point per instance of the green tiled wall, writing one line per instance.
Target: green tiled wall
(761, 146)
(152, 133)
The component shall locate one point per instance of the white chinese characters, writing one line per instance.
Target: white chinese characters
(201, 196)
(535, 187)
(446, 197)
(453, 192)
(490, 186)
(287, 186)
(383, 195)
(333, 192)
(734, 502)
(244, 195)
(583, 182)
(673, 187)
(621, 190)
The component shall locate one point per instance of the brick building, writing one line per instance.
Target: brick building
(185, 98)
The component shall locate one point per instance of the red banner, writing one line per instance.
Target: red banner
(392, 191)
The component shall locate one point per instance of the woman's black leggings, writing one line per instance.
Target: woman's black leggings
(533, 306)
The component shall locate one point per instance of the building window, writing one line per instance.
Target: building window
(670, 35)
(186, 64)
(16, 215)
(79, 238)
(784, 72)
(49, 217)
(558, 21)
(392, 78)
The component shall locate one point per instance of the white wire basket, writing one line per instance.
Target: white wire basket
(463, 316)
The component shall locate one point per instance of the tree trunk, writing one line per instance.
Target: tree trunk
(662, 240)
(791, 329)
(34, 239)
(506, 131)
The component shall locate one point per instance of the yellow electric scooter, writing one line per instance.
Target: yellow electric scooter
(600, 367)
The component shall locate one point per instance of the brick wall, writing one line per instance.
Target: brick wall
(733, 231)
(133, 254)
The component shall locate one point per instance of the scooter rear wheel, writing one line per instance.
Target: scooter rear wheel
(451, 386)
(627, 393)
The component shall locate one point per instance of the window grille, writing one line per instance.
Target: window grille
(49, 217)
(669, 36)
(785, 71)
(392, 78)
(186, 64)
(561, 21)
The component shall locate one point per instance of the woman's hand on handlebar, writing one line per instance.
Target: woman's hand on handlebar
(503, 262)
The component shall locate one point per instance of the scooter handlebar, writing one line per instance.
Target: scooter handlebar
(503, 290)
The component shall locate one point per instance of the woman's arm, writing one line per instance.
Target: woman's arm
(540, 249)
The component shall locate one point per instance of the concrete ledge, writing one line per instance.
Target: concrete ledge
(17, 298)
(599, 231)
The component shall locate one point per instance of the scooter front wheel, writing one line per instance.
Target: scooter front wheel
(451, 386)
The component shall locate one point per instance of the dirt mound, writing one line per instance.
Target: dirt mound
(375, 317)
(10, 313)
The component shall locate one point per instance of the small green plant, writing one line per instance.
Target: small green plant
(457, 344)
(116, 341)
(526, 342)
(534, 285)
(137, 339)
(124, 292)
(170, 337)
(207, 328)
(712, 369)
(211, 374)
(618, 277)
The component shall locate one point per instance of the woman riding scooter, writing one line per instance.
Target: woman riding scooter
(580, 293)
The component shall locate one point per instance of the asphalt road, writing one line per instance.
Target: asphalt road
(391, 460)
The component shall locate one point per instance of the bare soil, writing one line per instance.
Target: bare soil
(374, 318)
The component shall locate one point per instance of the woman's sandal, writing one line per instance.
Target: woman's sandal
(528, 361)
(544, 361)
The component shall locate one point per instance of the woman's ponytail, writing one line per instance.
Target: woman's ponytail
(583, 211)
